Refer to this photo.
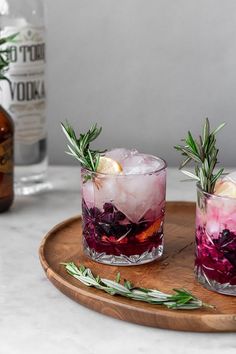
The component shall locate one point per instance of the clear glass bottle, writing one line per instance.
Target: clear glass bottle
(25, 98)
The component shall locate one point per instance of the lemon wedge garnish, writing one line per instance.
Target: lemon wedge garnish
(109, 166)
(225, 189)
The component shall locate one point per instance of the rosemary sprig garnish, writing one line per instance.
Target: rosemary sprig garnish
(203, 153)
(4, 61)
(80, 149)
(181, 300)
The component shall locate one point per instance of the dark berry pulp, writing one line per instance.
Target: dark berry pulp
(216, 257)
(111, 232)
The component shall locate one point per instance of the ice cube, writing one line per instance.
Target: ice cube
(119, 154)
(140, 164)
(105, 191)
(88, 193)
(133, 197)
(230, 177)
(137, 194)
(134, 162)
(221, 212)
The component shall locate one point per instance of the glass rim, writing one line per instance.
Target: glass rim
(214, 195)
(161, 168)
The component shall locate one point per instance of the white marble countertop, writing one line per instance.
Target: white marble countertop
(35, 318)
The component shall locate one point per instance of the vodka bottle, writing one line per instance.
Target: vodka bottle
(25, 98)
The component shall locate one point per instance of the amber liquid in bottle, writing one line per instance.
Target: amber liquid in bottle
(6, 160)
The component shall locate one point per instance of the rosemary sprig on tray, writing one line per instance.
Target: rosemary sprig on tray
(4, 62)
(79, 148)
(181, 300)
(203, 153)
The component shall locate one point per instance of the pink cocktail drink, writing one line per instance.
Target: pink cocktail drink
(216, 242)
(215, 264)
(123, 214)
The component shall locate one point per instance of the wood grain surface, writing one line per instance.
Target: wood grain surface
(64, 243)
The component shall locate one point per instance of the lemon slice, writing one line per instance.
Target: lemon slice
(109, 166)
(225, 189)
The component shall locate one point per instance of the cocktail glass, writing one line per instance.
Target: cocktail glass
(215, 264)
(123, 215)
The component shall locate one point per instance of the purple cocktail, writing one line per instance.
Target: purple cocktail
(123, 213)
(215, 264)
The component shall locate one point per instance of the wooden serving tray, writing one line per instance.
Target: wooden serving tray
(63, 244)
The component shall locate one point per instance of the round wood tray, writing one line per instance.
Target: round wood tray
(174, 270)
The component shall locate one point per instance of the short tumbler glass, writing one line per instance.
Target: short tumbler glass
(215, 264)
(123, 216)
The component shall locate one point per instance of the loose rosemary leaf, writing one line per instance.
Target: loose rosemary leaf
(181, 299)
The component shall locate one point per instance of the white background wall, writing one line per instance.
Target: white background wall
(146, 70)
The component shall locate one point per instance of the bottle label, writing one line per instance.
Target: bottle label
(24, 98)
(6, 156)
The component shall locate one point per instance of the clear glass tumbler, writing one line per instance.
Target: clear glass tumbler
(215, 264)
(123, 216)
